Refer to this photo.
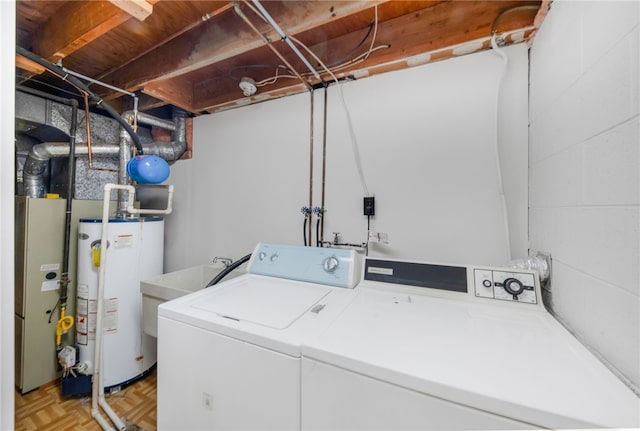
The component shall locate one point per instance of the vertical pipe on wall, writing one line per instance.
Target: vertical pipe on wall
(66, 322)
(309, 227)
(123, 178)
(324, 163)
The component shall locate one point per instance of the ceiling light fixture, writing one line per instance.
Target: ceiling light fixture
(248, 86)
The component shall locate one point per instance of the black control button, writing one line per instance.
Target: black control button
(513, 286)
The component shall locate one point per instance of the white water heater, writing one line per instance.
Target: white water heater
(134, 253)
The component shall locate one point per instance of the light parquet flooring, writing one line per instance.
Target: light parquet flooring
(45, 409)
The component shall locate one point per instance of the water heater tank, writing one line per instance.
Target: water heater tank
(134, 253)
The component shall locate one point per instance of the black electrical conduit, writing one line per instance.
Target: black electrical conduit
(79, 84)
(64, 277)
(222, 274)
(304, 231)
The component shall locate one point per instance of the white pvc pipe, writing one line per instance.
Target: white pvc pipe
(112, 415)
(95, 413)
(97, 389)
(132, 210)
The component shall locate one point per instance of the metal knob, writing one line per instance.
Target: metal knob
(330, 264)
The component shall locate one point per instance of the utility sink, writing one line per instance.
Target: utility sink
(173, 285)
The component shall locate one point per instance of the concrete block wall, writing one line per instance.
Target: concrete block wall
(584, 173)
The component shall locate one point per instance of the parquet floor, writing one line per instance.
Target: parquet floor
(44, 409)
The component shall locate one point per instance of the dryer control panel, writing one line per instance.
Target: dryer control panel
(505, 285)
(332, 266)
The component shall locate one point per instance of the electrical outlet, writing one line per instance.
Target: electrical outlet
(207, 401)
(369, 206)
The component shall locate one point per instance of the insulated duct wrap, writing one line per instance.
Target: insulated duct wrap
(37, 160)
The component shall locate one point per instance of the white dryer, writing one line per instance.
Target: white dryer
(425, 346)
(229, 355)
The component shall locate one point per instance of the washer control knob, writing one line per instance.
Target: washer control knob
(487, 283)
(262, 255)
(330, 264)
(513, 286)
(274, 257)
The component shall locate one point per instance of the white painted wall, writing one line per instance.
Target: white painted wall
(427, 139)
(584, 174)
(246, 183)
(7, 183)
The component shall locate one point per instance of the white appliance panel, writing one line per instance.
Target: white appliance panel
(229, 355)
(334, 398)
(502, 357)
(269, 303)
(135, 252)
(210, 381)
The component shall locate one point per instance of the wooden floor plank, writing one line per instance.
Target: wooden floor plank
(45, 409)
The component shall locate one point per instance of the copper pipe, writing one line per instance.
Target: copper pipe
(324, 164)
(311, 169)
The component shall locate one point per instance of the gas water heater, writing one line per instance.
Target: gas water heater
(134, 252)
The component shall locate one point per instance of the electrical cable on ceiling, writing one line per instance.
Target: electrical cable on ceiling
(246, 68)
(494, 25)
(80, 85)
(273, 79)
(285, 38)
(337, 64)
(353, 51)
(266, 40)
(358, 59)
(375, 30)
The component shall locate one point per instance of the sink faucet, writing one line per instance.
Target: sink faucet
(225, 261)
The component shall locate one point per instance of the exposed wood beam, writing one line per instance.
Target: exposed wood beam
(178, 92)
(139, 9)
(28, 65)
(260, 97)
(76, 25)
(214, 41)
(424, 36)
(209, 15)
(145, 103)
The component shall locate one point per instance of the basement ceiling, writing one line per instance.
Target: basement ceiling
(194, 54)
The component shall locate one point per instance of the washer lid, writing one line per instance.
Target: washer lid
(267, 302)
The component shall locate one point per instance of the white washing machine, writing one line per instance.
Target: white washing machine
(229, 356)
(425, 346)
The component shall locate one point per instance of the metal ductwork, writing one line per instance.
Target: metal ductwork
(36, 113)
(40, 154)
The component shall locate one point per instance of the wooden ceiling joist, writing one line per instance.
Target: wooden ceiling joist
(77, 24)
(139, 9)
(212, 42)
(193, 53)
